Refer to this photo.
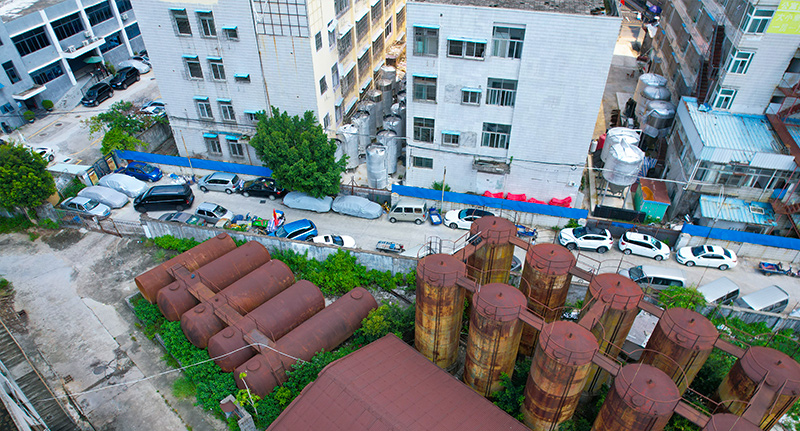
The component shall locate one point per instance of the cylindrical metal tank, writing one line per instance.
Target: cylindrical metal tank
(339, 152)
(545, 283)
(680, 345)
(623, 164)
(386, 87)
(622, 296)
(324, 331)
(729, 422)
(649, 94)
(377, 175)
(150, 282)
(439, 308)
(376, 96)
(361, 121)
(494, 332)
(275, 318)
(401, 93)
(647, 80)
(388, 139)
(399, 109)
(394, 123)
(348, 134)
(388, 72)
(201, 323)
(372, 109)
(642, 398)
(618, 135)
(659, 114)
(492, 262)
(777, 370)
(559, 368)
(175, 299)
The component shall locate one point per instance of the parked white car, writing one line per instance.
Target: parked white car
(586, 237)
(462, 219)
(340, 240)
(139, 65)
(123, 184)
(707, 255)
(47, 153)
(643, 245)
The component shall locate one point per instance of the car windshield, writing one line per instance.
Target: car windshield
(91, 93)
(281, 232)
(235, 179)
(579, 231)
(219, 210)
(636, 273)
(146, 168)
(249, 183)
(337, 240)
(697, 251)
(90, 204)
(656, 243)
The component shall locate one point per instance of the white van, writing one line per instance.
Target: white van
(655, 278)
(408, 210)
(772, 299)
(720, 291)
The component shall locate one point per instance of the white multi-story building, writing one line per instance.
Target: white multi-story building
(218, 63)
(504, 95)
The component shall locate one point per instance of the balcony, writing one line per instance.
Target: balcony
(491, 166)
(88, 44)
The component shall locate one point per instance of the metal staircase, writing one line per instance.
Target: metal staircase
(709, 69)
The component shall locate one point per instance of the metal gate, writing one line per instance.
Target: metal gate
(74, 220)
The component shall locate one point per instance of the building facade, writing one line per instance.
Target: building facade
(218, 64)
(49, 50)
(504, 96)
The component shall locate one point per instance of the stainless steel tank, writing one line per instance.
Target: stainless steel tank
(388, 139)
(377, 176)
(348, 134)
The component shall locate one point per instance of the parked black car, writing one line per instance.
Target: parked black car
(264, 187)
(176, 197)
(125, 77)
(97, 93)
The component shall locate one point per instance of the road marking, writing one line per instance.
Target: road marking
(54, 121)
(91, 144)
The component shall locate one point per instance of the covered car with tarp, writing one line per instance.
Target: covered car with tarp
(123, 184)
(302, 201)
(104, 195)
(357, 206)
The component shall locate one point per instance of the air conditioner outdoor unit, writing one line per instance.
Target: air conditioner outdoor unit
(94, 39)
(71, 48)
(87, 34)
(124, 16)
(85, 43)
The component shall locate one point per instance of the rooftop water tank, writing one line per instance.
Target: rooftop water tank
(623, 164)
(619, 135)
(377, 177)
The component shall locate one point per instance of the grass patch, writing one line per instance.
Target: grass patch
(184, 388)
(18, 223)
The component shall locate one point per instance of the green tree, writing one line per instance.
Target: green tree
(299, 153)
(119, 125)
(24, 180)
(684, 297)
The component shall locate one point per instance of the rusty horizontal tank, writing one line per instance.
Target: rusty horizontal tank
(680, 344)
(492, 262)
(642, 398)
(274, 319)
(324, 331)
(243, 296)
(729, 422)
(545, 282)
(150, 282)
(559, 367)
(780, 375)
(621, 296)
(494, 332)
(175, 299)
(439, 308)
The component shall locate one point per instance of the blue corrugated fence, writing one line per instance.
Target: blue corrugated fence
(737, 236)
(211, 165)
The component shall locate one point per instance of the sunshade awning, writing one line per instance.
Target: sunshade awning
(27, 94)
(93, 59)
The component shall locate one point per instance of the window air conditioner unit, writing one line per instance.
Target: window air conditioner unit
(124, 16)
(87, 34)
(85, 43)
(71, 48)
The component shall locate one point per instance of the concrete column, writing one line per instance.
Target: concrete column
(52, 35)
(123, 34)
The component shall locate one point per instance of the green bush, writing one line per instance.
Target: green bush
(14, 224)
(72, 189)
(180, 245)
(28, 116)
(572, 223)
(149, 315)
(683, 297)
(47, 104)
(49, 224)
(437, 185)
(512, 394)
(388, 318)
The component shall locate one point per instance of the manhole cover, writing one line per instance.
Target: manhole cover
(59, 124)
(101, 369)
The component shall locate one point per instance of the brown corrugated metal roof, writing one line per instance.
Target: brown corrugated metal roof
(388, 385)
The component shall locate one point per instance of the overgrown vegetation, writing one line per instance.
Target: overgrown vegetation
(6, 288)
(72, 189)
(18, 223)
(513, 393)
(437, 185)
(683, 297)
(119, 125)
(24, 180)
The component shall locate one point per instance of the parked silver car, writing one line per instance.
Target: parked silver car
(212, 212)
(220, 182)
(105, 196)
(86, 206)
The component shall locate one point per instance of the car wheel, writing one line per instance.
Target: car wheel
(51, 158)
(723, 267)
(659, 257)
(417, 221)
(204, 189)
(124, 86)
(392, 220)
(246, 194)
(602, 250)
(626, 252)
(689, 263)
(453, 226)
(228, 191)
(139, 209)
(272, 197)
(179, 208)
(571, 246)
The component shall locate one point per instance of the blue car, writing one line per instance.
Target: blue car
(141, 171)
(300, 230)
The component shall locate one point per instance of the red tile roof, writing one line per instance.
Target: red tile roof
(388, 385)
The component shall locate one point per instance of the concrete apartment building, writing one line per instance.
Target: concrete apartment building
(45, 46)
(505, 95)
(218, 64)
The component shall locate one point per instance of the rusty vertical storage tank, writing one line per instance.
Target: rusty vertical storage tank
(545, 282)
(684, 339)
(622, 295)
(492, 262)
(494, 332)
(559, 368)
(439, 308)
(642, 398)
(779, 373)
(324, 331)
(150, 282)
(244, 295)
(175, 299)
(729, 422)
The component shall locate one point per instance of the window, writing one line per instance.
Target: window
(363, 64)
(217, 69)
(281, 17)
(450, 138)
(345, 43)
(426, 41)
(193, 67)
(340, 6)
(231, 33)
(235, 147)
(387, 31)
(251, 116)
(502, 92)
(739, 61)
(466, 49)
(377, 46)
(507, 42)
(470, 96)
(349, 81)
(756, 21)
(67, 26)
(331, 35)
(124, 5)
(387, 3)
(212, 143)
(6, 109)
(335, 75)
(207, 24)
(323, 86)
(400, 17)
(226, 108)
(724, 98)
(337, 112)
(794, 66)
(11, 72)
(318, 40)
(422, 162)
(242, 78)
(204, 108)
(377, 12)
(424, 88)
(31, 41)
(111, 41)
(181, 20)
(132, 31)
(423, 129)
(99, 13)
(48, 73)
(495, 135)
(326, 122)
(362, 27)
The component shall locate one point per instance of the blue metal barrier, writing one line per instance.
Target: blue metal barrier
(211, 165)
(738, 236)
